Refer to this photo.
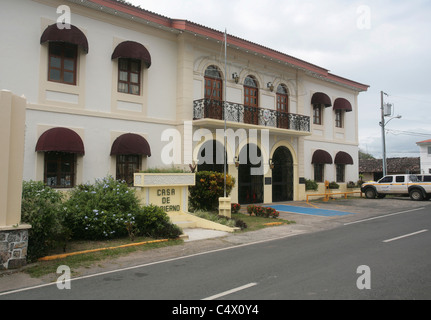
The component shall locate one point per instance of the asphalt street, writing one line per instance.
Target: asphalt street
(380, 252)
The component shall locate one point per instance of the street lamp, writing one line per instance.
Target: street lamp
(385, 113)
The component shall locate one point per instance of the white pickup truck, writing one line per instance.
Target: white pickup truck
(403, 184)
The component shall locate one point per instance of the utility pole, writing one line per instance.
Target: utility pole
(383, 133)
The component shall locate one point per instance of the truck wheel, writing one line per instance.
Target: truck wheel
(416, 195)
(370, 193)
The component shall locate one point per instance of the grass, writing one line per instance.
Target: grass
(252, 222)
(86, 260)
(256, 223)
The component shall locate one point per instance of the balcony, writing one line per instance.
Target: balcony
(213, 109)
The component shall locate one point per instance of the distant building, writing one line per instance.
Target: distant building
(425, 151)
(372, 169)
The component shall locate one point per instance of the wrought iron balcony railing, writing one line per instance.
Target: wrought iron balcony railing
(213, 109)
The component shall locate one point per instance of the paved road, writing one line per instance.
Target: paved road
(393, 245)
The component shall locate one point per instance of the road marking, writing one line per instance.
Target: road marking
(405, 236)
(216, 296)
(386, 215)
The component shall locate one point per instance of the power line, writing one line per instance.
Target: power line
(408, 133)
(413, 99)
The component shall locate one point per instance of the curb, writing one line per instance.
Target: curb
(65, 255)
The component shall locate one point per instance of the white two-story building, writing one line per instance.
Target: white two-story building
(425, 156)
(125, 89)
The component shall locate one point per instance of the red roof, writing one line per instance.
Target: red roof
(426, 141)
(235, 42)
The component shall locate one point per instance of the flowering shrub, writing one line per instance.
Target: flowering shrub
(260, 211)
(41, 207)
(235, 207)
(110, 209)
(208, 189)
(102, 210)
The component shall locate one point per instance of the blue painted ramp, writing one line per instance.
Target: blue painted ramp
(310, 211)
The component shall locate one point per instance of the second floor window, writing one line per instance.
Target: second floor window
(282, 99)
(62, 64)
(339, 118)
(213, 84)
(317, 114)
(129, 76)
(251, 92)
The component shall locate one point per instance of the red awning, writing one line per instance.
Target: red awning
(129, 144)
(321, 98)
(343, 158)
(72, 35)
(132, 50)
(60, 140)
(321, 157)
(342, 104)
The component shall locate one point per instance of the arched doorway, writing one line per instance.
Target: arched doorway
(250, 175)
(282, 175)
(210, 157)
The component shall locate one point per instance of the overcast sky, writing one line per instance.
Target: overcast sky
(385, 44)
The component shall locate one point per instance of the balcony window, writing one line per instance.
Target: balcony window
(282, 99)
(214, 92)
(251, 101)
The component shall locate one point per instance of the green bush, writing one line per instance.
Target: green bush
(152, 221)
(103, 210)
(311, 185)
(208, 189)
(110, 209)
(42, 208)
(334, 185)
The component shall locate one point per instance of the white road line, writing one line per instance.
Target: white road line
(216, 296)
(405, 236)
(386, 215)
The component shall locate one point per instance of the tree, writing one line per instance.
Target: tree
(365, 156)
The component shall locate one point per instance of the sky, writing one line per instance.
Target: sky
(385, 44)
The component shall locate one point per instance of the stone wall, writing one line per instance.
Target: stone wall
(13, 248)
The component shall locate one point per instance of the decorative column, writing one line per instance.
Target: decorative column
(13, 235)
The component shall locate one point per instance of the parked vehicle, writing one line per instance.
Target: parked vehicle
(403, 184)
(424, 177)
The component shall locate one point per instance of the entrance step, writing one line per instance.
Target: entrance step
(189, 221)
(185, 224)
